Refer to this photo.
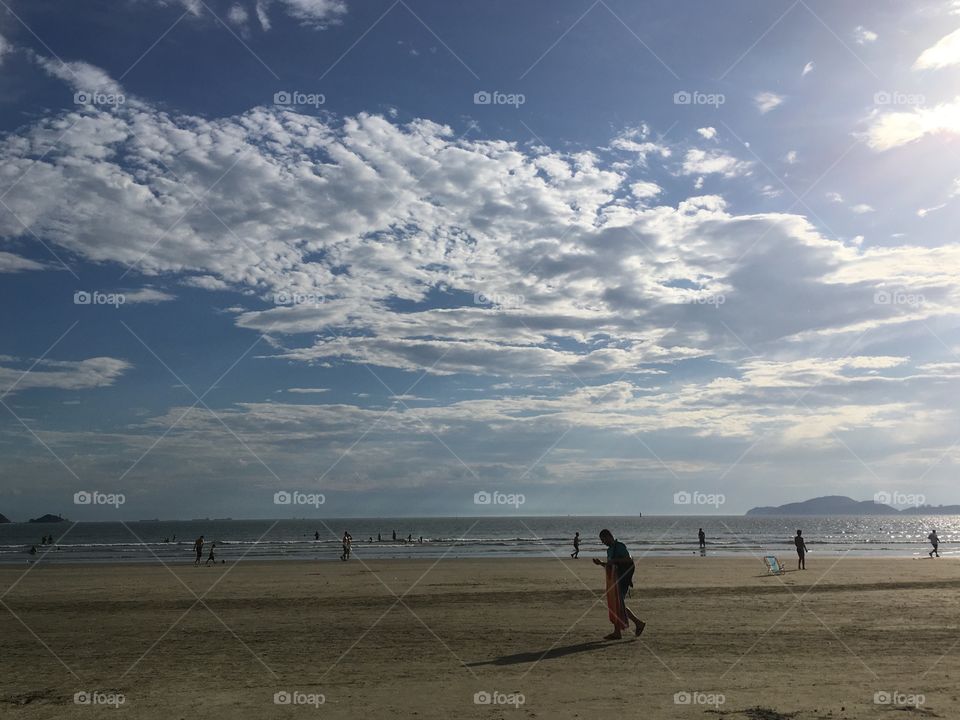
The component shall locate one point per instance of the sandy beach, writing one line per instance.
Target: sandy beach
(421, 639)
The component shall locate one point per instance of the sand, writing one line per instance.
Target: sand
(419, 639)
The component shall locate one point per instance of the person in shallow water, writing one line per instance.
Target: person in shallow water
(620, 568)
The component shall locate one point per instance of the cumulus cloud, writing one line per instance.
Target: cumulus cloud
(767, 101)
(708, 132)
(863, 36)
(707, 162)
(944, 53)
(888, 130)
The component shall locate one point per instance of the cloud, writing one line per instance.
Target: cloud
(862, 208)
(5, 47)
(834, 197)
(10, 263)
(644, 190)
(862, 35)
(61, 374)
(316, 14)
(944, 53)
(707, 162)
(767, 101)
(708, 132)
(807, 69)
(307, 390)
(149, 296)
(791, 157)
(893, 129)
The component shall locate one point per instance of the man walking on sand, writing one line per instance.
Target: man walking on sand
(198, 548)
(935, 541)
(620, 568)
(576, 547)
(801, 551)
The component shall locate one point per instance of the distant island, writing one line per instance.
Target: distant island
(48, 518)
(841, 505)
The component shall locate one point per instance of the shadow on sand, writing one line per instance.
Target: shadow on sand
(530, 657)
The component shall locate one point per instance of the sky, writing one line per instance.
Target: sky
(422, 257)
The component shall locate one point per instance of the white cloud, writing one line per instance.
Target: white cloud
(62, 374)
(791, 157)
(834, 197)
(644, 190)
(310, 13)
(767, 101)
(708, 132)
(707, 162)
(307, 390)
(862, 208)
(237, 15)
(944, 53)
(10, 263)
(862, 35)
(5, 47)
(807, 69)
(149, 296)
(893, 129)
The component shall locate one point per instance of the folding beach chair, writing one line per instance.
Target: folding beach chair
(773, 565)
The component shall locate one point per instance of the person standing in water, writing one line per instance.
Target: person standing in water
(620, 568)
(702, 536)
(576, 547)
(801, 550)
(935, 541)
(198, 548)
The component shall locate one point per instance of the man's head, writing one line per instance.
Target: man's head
(799, 532)
(606, 537)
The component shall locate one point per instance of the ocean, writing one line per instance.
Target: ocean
(172, 540)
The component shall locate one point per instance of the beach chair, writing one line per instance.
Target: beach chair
(774, 565)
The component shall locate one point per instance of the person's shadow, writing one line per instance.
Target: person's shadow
(529, 657)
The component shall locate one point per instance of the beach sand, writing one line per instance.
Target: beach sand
(418, 639)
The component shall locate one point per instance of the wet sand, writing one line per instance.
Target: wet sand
(421, 639)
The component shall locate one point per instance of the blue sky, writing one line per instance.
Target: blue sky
(399, 253)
